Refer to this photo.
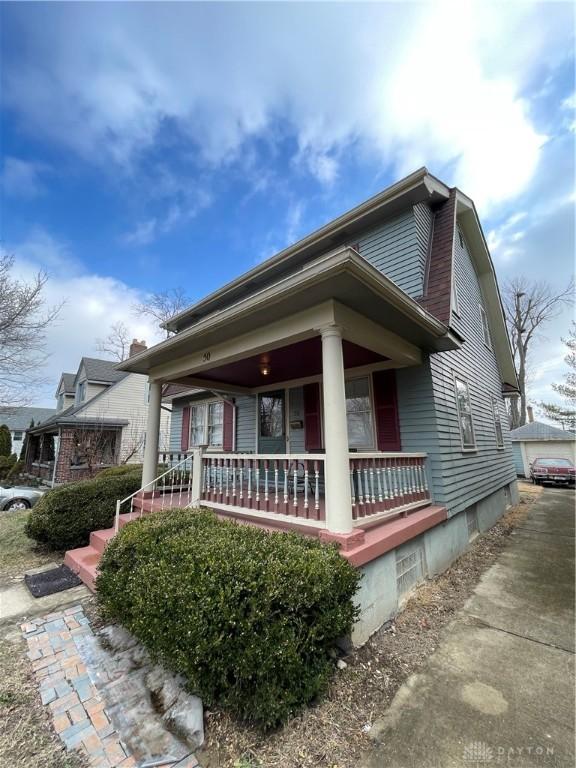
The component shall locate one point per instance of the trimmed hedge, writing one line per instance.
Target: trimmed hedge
(247, 616)
(64, 517)
(121, 469)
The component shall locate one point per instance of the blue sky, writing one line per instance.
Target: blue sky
(149, 146)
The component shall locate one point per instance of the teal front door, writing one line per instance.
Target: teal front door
(272, 422)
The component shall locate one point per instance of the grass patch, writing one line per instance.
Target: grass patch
(18, 553)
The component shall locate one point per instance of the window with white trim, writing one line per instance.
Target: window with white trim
(81, 391)
(207, 424)
(464, 413)
(485, 328)
(359, 413)
(497, 422)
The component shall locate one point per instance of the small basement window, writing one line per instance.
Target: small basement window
(409, 569)
(472, 522)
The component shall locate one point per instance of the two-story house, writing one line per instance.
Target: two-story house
(100, 421)
(351, 388)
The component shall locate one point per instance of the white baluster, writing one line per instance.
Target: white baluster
(352, 486)
(359, 481)
(241, 479)
(286, 466)
(266, 495)
(372, 493)
(379, 479)
(366, 482)
(249, 482)
(257, 475)
(276, 499)
(306, 486)
(295, 483)
(316, 485)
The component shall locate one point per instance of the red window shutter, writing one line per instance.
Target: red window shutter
(228, 426)
(386, 411)
(312, 417)
(185, 436)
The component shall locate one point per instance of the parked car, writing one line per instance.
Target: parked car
(12, 499)
(552, 470)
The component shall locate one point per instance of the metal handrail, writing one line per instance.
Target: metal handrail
(119, 502)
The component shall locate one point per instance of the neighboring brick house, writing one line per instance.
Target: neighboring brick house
(100, 421)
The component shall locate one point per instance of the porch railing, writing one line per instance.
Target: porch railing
(290, 485)
(173, 487)
(387, 482)
(280, 485)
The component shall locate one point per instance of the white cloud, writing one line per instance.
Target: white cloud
(92, 303)
(22, 178)
(402, 86)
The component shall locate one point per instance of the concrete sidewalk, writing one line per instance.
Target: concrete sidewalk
(500, 688)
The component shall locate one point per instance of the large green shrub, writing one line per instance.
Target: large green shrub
(121, 469)
(249, 617)
(65, 516)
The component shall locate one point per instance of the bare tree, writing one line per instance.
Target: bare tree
(565, 414)
(95, 445)
(163, 305)
(528, 306)
(117, 343)
(24, 320)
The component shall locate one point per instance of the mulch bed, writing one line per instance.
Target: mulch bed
(335, 733)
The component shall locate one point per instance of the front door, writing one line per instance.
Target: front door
(272, 422)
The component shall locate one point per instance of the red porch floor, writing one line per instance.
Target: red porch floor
(369, 543)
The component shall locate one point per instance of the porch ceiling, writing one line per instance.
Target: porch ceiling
(293, 361)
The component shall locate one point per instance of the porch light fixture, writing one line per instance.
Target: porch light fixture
(265, 369)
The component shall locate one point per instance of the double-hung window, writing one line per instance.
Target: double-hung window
(359, 414)
(497, 422)
(464, 414)
(207, 424)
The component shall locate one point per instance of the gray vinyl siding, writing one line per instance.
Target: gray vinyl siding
(417, 417)
(296, 413)
(246, 424)
(518, 461)
(399, 248)
(468, 476)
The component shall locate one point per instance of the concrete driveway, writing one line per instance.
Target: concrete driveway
(500, 688)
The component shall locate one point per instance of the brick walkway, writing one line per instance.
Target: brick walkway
(69, 689)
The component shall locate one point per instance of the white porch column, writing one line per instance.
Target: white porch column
(150, 468)
(337, 464)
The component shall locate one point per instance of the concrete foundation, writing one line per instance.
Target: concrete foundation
(380, 596)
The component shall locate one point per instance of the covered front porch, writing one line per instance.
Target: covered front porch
(326, 450)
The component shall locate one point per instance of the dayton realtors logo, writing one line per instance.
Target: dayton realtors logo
(480, 753)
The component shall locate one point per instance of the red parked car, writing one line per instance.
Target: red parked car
(559, 471)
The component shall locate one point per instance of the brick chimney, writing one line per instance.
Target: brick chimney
(530, 412)
(136, 347)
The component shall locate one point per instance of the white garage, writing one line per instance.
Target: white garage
(536, 441)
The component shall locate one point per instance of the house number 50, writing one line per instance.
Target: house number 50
(205, 357)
